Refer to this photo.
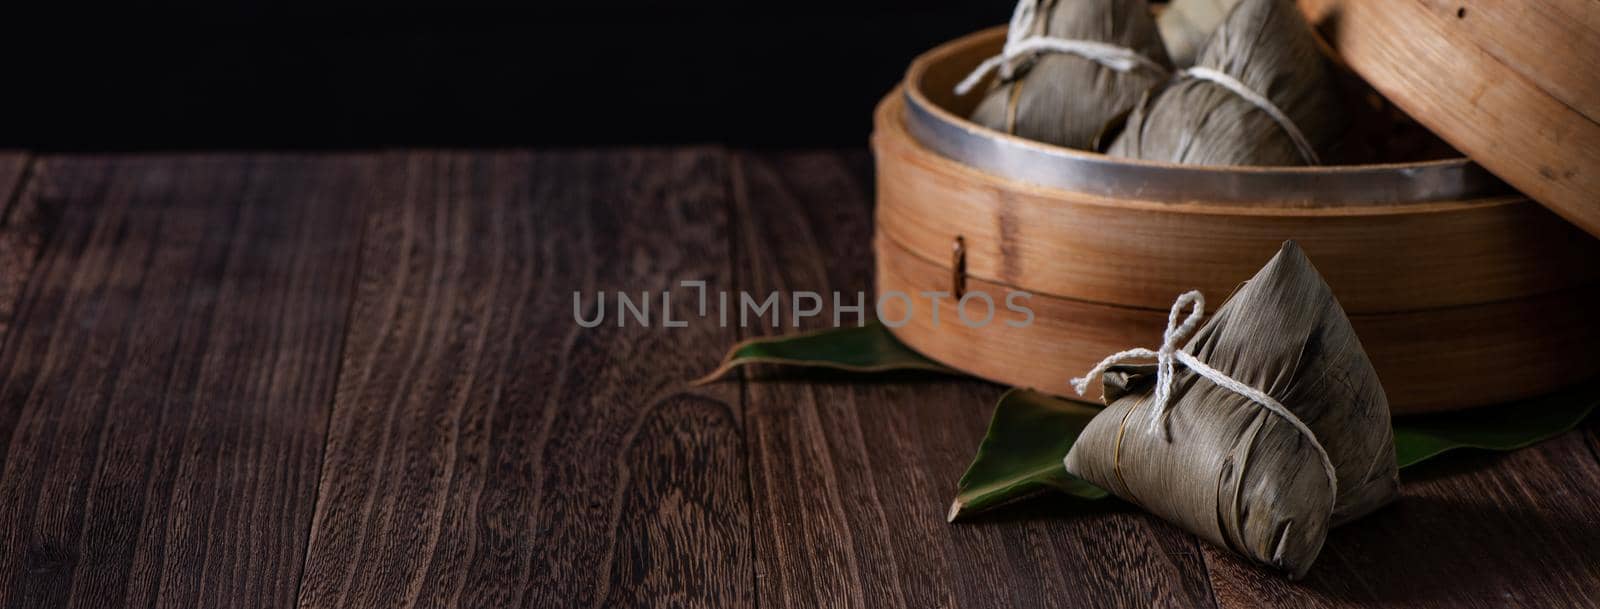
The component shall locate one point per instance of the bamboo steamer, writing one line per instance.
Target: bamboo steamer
(1514, 85)
(1464, 292)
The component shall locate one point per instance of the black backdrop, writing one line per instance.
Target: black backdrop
(252, 75)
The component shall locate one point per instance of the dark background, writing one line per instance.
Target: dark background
(254, 75)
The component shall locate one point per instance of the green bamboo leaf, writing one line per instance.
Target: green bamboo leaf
(1506, 427)
(1021, 454)
(1031, 432)
(869, 348)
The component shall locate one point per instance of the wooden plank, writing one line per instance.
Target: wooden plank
(485, 450)
(852, 476)
(168, 378)
(1471, 530)
(23, 226)
(13, 164)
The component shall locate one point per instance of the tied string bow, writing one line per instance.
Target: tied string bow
(1169, 355)
(1020, 44)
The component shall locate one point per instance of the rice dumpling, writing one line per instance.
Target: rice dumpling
(1259, 94)
(1265, 430)
(1187, 24)
(1069, 68)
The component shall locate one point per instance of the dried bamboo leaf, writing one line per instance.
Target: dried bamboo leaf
(1267, 46)
(1186, 25)
(1231, 471)
(1065, 99)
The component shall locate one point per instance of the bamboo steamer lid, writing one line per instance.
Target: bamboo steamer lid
(1514, 85)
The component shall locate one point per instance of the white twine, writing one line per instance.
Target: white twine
(1166, 376)
(1019, 43)
(1260, 101)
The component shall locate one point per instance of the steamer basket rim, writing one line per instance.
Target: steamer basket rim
(1017, 158)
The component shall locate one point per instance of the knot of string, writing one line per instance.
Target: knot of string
(1021, 44)
(1259, 101)
(1170, 354)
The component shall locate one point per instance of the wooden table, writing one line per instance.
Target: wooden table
(355, 380)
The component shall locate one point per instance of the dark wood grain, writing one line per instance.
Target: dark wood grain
(487, 451)
(852, 476)
(1472, 529)
(13, 164)
(357, 381)
(168, 377)
(22, 230)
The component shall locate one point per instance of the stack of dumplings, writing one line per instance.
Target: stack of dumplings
(1096, 75)
(1267, 51)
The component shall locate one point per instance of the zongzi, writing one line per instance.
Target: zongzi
(1187, 24)
(1268, 428)
(1069, 67)
(1259, 94)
